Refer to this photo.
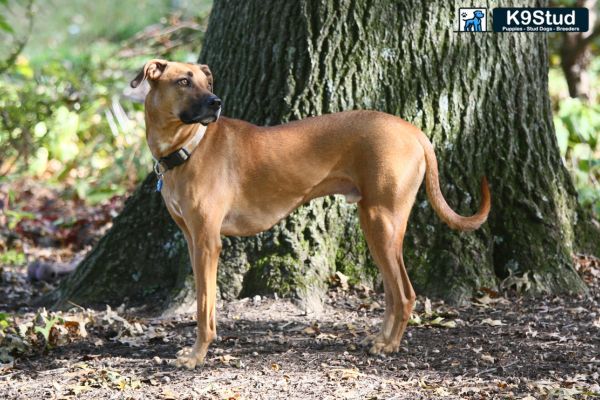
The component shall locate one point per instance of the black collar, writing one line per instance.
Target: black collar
(179, 156)
(174, 159)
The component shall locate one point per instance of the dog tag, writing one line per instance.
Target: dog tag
(159, 184)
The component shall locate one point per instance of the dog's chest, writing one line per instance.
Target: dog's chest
(172, 202)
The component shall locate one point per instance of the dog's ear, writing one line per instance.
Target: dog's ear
(151, 71)
(204, 68)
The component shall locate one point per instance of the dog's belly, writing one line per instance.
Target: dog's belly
(338, 185)
(259, 216)
(246, 223)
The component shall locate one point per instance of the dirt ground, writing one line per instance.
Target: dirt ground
(500, 345)
(495, 347)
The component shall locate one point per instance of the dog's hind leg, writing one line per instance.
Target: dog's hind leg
(384, 226)
(384, 234)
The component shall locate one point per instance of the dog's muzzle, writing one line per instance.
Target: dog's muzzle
(206, 112)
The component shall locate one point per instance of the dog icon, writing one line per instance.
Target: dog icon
(473, 24)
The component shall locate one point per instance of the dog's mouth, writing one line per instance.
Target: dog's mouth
(203, 119)
(208, 120)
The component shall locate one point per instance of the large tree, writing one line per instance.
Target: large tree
(481, 98)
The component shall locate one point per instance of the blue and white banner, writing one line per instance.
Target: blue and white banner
(540, 19)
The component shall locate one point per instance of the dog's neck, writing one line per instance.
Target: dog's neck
(164, 141)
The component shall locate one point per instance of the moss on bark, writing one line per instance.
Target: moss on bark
(142, 259)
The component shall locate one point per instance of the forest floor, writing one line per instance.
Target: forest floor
(500, 345)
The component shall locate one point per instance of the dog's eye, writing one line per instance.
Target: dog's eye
(183, 82)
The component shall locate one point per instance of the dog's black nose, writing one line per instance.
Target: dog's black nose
(214, 102)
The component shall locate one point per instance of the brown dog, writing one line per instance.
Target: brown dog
(227, 177)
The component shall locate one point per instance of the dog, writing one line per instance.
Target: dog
(474, 24)
(222, 176)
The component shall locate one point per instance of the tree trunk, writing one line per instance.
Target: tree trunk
(481, 98)
(142, 259)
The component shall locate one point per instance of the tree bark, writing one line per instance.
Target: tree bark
(481, 98)
(141, 260)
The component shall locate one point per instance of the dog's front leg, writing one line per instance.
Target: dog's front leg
(205, 250)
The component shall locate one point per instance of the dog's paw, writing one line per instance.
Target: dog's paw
(189, 358)
(379, 345)
(377, 348)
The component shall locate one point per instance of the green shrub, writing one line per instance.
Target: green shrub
(63, 115)
(577, 125)
(70, 126)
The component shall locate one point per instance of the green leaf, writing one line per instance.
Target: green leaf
(3, 321)
(581, 151)
(5, 26)
(63, 143)
(16, 216)
(12, 257)
(45, 330)
(415, 319)
(562, 135)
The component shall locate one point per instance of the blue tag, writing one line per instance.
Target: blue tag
(159, 184)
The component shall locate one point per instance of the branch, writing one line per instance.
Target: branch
(595, 33)
(10, 60)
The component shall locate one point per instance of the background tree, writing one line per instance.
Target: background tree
(576, 54)
(481, 98)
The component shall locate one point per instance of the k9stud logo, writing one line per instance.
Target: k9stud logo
(471, 20)
(560, 19)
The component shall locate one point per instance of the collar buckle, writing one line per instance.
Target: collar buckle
(159, 168)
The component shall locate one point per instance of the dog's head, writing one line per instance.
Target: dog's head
(478, 14)
(181, 89)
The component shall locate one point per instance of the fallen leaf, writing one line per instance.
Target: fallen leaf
(226, 359)
(343, 280)
(309, 330)
(326, 336)
(169, 394)
(488, 359)
(486, 299)
(343, 373)
(415, 319)
(492, 322)
(439, 321)
(76, 327)
(448, 324)
(427, 306)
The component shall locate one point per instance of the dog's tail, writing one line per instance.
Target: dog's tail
(442, 209)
